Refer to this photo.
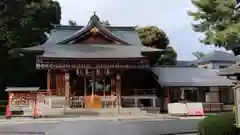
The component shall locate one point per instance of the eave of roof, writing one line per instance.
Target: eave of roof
(216, 56)
(22, 89)
(92, 51)
(189, 77)
(230, 71)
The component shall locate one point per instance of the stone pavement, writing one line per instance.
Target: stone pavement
(111, 117)
(159, 117)
(102, 127)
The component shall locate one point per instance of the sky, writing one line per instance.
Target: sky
(169, 15)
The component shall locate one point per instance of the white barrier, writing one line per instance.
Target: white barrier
(191, 109)
(195, 109)
(177, 109)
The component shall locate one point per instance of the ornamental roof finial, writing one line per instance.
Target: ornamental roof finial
(94, 17)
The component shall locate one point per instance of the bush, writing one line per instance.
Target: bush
(220, 124)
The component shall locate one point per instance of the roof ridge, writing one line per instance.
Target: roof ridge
(77, 27)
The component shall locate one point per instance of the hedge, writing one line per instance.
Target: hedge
(220, 124)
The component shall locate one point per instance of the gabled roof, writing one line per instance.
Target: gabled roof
(127, 34)
(61, 39)
(189, 77)
(216, 56)
(94, 23)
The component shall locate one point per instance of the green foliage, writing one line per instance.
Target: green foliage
(152, 36)
(72, 23)
(23, 23)
(169, 57)
(198, 55)
(220, 124)
(218, 22)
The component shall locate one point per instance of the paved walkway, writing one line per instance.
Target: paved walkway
(115, 117)
(92, 118)
(102, 127)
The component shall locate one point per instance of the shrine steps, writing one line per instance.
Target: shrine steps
(46, 111)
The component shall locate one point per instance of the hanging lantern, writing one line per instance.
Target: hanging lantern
(67, 76)
(98, 71)
(108, 72)
(86, 72)
(77, 72)
(81, 72)
(118, 77)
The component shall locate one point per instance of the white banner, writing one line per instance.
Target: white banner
(177, 109)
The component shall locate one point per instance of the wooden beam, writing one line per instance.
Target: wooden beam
(49, 82)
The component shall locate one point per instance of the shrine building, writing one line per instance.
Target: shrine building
(104, 66)
(113, 57)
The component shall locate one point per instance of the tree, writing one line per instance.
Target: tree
(152, 36)
(218, 22)
(72, 23)
(198, 55)
(23, 23)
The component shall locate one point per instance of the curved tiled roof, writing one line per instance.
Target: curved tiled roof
(60, 39)
(92, 51)
(189, 76)
(216, 56)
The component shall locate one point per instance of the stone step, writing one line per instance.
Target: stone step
(151, 109)
(57, 111)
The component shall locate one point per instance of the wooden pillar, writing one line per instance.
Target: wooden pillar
(93, 83)
(104, 91)
(48, 81)
(118, 89)
(113, 88)
(58, 84)
(85, 83)
(67, 85)
(49, 92)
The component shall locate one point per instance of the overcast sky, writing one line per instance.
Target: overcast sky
(169, 15)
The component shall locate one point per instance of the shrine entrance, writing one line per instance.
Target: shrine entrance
(94, 90)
